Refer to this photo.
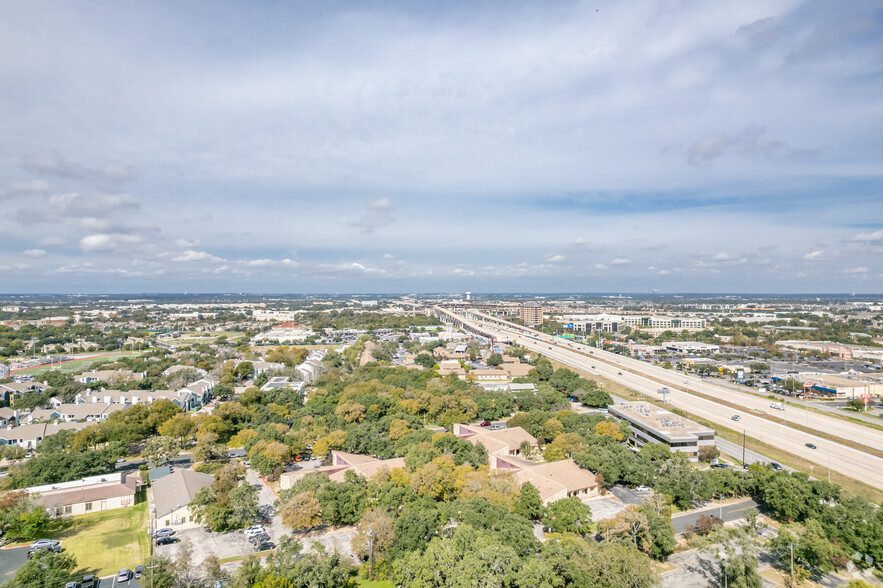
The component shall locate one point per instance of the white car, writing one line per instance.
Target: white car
(643, 488)
(252, 531)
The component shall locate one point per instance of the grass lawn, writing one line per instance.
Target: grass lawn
(105, 541)
(78, 365)
(375, 584)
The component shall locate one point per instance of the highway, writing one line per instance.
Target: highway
(632, 373)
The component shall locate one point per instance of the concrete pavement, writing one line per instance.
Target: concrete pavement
(727, 512)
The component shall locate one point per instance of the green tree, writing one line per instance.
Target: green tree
(529, 504)
(45, 569)
(494, 360)
(568, 515)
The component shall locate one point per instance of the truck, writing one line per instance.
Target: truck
(777, 406)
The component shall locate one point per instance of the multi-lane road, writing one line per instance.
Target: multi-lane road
(648, 379)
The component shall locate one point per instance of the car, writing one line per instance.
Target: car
(259, 538)
(253, 528)
(720, 466)
(73, 585)
(643, 488)
(91, 581)
(139, 571)
(124, 575)
(776, 466)
(43, 543)
(264, 546)
(811, 446)
(121, 460)
(593, 367)
(246, 464)
(736, 417)
(486, 424)
(687, 382)
(603, 410)
(165, 540)
(163, 533)
(619, 373)
(496, 427)
(252, 532)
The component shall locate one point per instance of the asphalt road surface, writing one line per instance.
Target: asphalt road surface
(846, 460)
(727, 512)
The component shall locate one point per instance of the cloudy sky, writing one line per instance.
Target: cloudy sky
(421, 146)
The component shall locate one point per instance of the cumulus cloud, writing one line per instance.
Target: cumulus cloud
(620, 261)
(750, 142)
(106, 242)
(34, 253)
(555, 258)
(873, 238)
(193, 255)
(53, 163)
(23, 189)
(377, 214)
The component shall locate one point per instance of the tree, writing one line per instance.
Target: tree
(242, 502)
(161, 449)
(244, 370)
(21, 518)
(180, 427)
(568, 515)
(494, 360)
(529, 504)
(738, 558)
(708, 453)
(45, 569)
(564, 446)
(425, 359)
(207, 447)
(302, 512)
(374, 536)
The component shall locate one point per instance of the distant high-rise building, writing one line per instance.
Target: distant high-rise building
(531, 314)
(468, 295)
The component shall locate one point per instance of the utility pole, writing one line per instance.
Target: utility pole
(743, 448)
(791, 545)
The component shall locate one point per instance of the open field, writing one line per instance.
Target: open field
(105, 541)
(77, 365)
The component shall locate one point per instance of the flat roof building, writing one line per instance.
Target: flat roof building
(652, 424)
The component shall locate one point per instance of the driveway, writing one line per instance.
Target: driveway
(733, 511)
(629, 496)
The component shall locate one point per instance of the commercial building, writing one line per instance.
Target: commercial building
(651, 424)
(92, 494)
(554, 480)
(841, 387)
(611, 323)
(502, 442)
(531, 314)
(173, 494)
(691, 347)
(342, 462)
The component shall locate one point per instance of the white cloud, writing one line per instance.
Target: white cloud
(22, 189)
(193, 255)
(875, 237)
(600, 266)
(378, 214)
(106, 242)
(620, 261)
(555, 258)
(34, 253)
(814, 255)
(856, 271)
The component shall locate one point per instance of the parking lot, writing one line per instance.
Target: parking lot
(12, 559)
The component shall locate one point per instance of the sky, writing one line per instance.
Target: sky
(417, 146)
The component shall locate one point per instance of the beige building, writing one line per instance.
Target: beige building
(172, 495)
(651, 424)
(554, 480)
(342, 462)
(531, 314)
(92, 494)
(502, 442)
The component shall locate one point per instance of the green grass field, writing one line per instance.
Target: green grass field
(105, 541)
(375, 584)
(78, 365)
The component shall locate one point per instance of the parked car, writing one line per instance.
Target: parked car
(264, 546)
(254, 532)
(643, 488)
(259, 538)
(163, 533)
(43, 543)
(486, 424)
(776, 466)
(496, 427)
(91, 581)
(166, 540)
(139, 571)
(720, 466)
(253, 528)
(603, 410)
(811, 446)
(124, 575)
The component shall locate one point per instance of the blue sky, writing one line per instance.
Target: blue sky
(419, 146)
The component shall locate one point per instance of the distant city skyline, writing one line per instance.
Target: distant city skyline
(717, 147)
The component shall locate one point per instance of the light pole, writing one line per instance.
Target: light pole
(370, 536)
(791, 546)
